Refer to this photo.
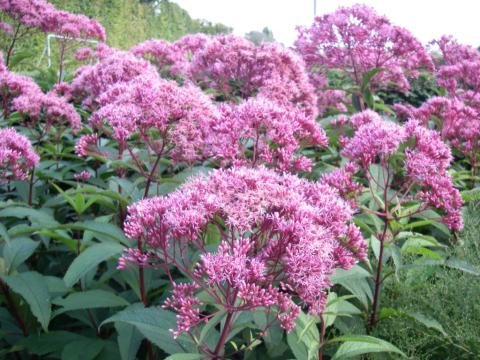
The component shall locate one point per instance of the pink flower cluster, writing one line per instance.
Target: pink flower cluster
(172, 59)
(427, 159)
(42, 15)
(458, 123)
(17, 156)
(260, 131)
(165, 55)
(459, 70)
(281, 238)
(22, 94)
(131, 98)
(356, 40)
(82, 176)
(167, 118)
(237, 69)
(91, 81)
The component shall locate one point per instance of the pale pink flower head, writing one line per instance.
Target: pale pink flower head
(22, 94)
(92, 80)
(237, 69)
(457, 122)
(87, 145)
(281, 237)
(260, 131)
(82, 176)
(427, 163)
(397, 150)
(165, 55)
(17, 157)
(191, 43)
(6, 28)
(167, 118)
(452, 52)
(375, 139)
(355, 40)
(42, 15)
(84, 53)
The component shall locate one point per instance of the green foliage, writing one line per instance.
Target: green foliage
(446, 296)
(127, 22)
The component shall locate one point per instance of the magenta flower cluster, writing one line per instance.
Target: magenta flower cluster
(236, 68)
(275, 134)
(426, 161)
(457, 122)
(43, 16)
(17, 156)
(355, 41)
(115, 66)
(165, 117)
(281, 239)
(132, 99)
(22, 94)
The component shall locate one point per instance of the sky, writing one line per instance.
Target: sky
(426, 19)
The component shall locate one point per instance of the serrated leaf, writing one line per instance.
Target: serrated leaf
(85, 349)
(33, 288)
(90, 299)
(427, 321)
(185, 357)
(4, 233)
(129, 340)
(354, 345)
(155, 324)
(17, 251)
(89, 259)
(52, 342)
(35, 216)
(304, 344)
(455, 263)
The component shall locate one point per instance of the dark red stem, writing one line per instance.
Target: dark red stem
(13, 308)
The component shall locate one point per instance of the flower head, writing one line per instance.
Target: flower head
(17, 156)
(281, 238)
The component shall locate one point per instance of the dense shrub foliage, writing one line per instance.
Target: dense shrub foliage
(212, 198)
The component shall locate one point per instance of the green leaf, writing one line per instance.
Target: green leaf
(213, 235)
(155, 324)
(354, 345)
(129, 340)
(185, 357)
(17, 251)
(4, 233)
(427, 321)
(304, 343)
(52, 342)
(110, 230)
(455, 263)
(90, 299)
(35, 216)
(471, 195)
(85, 349)
(89, 259)
(356, 281)
(368, 76)
(33, 288)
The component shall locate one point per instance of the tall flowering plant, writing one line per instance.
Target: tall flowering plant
(279, 240)
(361, 46)
(458, 123)
(28, 16)
(236, 69)
(260, 131)
(405, 170)
(149, 119)
(17, 156)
